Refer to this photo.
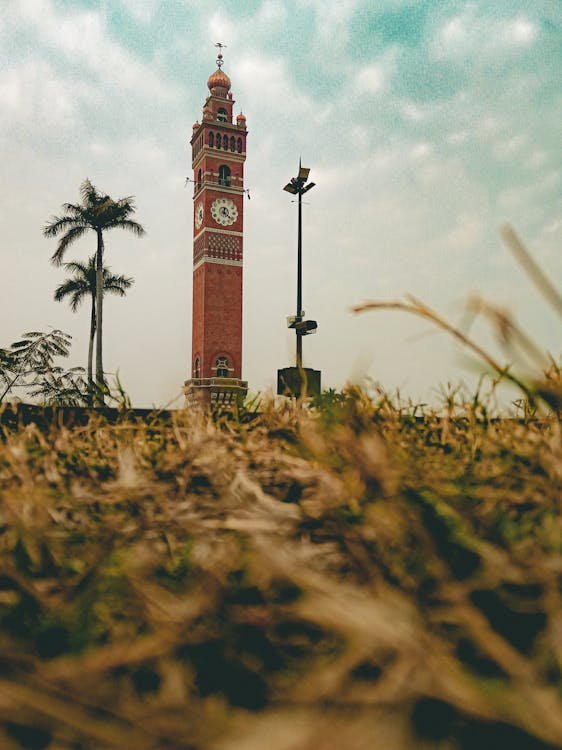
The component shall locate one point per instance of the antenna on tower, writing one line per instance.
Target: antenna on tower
(219, 57)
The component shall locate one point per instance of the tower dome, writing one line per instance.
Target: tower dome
(218, 80)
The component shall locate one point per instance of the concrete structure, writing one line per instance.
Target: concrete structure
(218, 148)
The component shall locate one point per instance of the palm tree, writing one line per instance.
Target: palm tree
(97, 213)
(83, 284)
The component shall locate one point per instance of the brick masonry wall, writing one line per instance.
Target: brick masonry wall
(222, 317)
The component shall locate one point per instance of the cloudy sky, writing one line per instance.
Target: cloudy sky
(426, 124)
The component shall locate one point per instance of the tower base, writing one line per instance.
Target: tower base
(297, 382)
(219, 391)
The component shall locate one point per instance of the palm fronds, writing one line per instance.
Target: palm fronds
(97, 213)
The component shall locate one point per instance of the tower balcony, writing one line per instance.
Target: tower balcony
(205, 391)
(233, 184)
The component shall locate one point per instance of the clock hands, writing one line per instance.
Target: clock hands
(224, 212)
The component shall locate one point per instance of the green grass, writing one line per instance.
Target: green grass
(348, 576)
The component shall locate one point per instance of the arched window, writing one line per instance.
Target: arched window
(211, 139)
(222, 367)
(218, 140)
(224, 175)
(197, 368)
(232, 143)
(225, 142)
(222, 115)
(199, 179)
(239, 145)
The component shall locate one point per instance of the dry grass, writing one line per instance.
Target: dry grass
(348, 577)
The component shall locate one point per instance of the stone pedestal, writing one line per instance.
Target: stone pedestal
(292, 381)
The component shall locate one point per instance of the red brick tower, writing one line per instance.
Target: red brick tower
(218, 153)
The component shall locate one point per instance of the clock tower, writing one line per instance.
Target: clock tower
(218, 153)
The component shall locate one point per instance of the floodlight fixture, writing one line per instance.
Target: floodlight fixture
(303, 173)
(290, 188)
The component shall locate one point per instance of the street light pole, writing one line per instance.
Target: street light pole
(298, 186)
(300, 312)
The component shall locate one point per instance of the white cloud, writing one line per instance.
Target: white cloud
(361, 137)
(487, 126)
(467, 232)
(472, 35)
(222, 29)
(97, 148)
(81, 37)
(146, 152)
(143, 11)
(536, 159)
(520, 31)
(413, 112)
(271, 14)
(523, 197)
(552, 227)
(370, 80)
(421, 151)
(458, 137)
(33, 93)
(509, 147)
(266, 79)
(332, 22)
(247, 35)
(454, 32)
(385, 162)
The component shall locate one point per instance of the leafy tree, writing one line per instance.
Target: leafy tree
(97, 213)
(30, 364)
(83, 283)
(60, 387)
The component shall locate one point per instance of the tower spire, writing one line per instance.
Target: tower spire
(221, 46)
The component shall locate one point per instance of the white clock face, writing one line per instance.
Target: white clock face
(199, 211)
(224, 211)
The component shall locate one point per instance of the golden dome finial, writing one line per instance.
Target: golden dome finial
(219, 80)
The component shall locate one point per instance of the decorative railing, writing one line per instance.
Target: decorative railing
(232, 182)
(234, 383)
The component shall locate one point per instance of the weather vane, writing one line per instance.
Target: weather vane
(219, 58)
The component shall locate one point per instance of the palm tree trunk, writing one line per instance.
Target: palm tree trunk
(91, 350)
(99, 317)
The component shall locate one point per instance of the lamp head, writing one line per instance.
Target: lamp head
(297, 184)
